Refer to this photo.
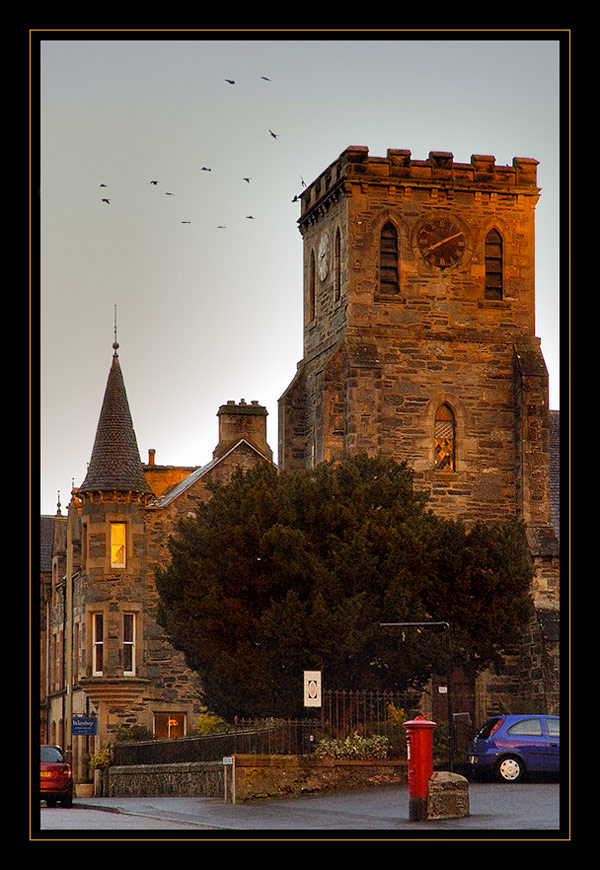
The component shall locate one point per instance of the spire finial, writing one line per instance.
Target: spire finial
(115, 343)
(58, 513)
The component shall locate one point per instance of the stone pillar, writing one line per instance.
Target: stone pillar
(447, 796)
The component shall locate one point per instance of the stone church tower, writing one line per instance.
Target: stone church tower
(419, 336)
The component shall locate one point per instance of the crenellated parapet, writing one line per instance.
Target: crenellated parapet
(399, 172)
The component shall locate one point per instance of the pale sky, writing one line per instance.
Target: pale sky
(209, 314)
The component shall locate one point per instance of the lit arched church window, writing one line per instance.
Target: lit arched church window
(444, 436)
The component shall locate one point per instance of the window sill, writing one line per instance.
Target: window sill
(493, 303)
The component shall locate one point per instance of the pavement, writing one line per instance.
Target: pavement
(522, 807)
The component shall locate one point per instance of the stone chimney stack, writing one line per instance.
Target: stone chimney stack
(242, 422)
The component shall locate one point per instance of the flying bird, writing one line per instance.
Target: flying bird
(230, 81)
(154, 182)
(303, 181)
(266, 78)
(102, 185)
(250, 217)
(186, 222)
(106, 200)
(246, 179)
(168, 193)
(274, 135)
(206, 169)
(221, 227)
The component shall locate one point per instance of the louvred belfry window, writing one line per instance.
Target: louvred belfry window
(388, 260)
(493, 265)
(444, 439)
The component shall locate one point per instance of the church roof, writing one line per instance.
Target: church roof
(115, 464)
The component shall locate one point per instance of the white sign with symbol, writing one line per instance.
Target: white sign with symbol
(312, 688)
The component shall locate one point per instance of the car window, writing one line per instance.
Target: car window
(51, 755)
(532, 727)
(553, 727)
(486, 729)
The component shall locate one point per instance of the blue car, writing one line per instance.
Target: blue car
(509, 747)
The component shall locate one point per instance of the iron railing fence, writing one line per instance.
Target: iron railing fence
(343, 713)
(264, 737)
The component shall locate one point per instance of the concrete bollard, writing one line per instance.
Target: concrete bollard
(447, 795)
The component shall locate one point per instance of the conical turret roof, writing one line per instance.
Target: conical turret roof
(115, 464)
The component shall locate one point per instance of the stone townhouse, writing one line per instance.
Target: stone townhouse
(104, 655)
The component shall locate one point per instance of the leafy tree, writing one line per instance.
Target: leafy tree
(280, 573)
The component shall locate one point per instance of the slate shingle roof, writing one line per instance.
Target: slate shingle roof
(46, 535)
(115, 462)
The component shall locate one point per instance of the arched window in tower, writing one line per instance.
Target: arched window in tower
(388, 259)
(444, 437)
(337, 267)
(493, 265)
(311, 288)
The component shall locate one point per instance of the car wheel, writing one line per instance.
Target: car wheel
(510, 769)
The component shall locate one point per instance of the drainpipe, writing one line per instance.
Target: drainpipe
(69, 642)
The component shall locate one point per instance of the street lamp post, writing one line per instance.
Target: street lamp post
(446, 627)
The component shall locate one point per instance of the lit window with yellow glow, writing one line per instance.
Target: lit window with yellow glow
(169, 725)
(117, 545)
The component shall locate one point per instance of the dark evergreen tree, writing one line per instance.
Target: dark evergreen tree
(280, 573)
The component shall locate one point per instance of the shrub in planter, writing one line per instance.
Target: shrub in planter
(104, 757)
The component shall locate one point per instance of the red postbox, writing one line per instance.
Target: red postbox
(419, 753)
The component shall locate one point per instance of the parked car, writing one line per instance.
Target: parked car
(509, 747)
(56, 778)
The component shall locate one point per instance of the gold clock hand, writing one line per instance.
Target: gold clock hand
(443, 242)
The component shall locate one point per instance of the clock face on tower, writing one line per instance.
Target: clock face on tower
(324, 256)
(441, 242)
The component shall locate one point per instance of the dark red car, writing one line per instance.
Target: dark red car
(56, 778)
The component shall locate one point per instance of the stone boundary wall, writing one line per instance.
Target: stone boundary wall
(264, 776)
(183, 779)
(251, 777)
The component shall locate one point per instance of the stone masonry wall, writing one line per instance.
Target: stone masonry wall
(251, 777)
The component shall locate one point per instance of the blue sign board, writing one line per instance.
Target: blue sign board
(84, 725)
